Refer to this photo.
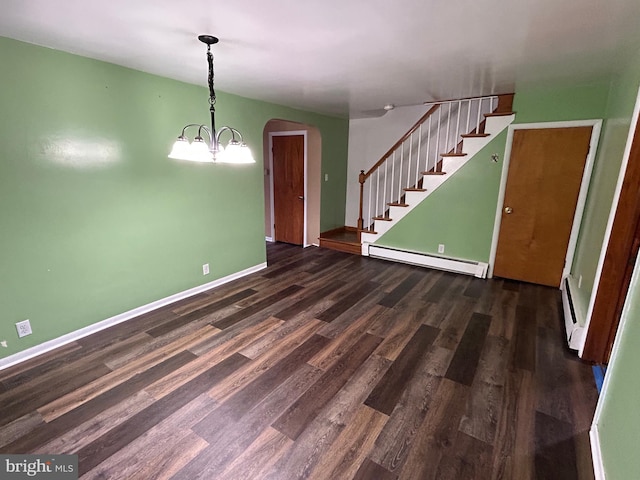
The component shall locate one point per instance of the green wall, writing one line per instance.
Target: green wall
(95, 219)
(461, 213)
(618, 415)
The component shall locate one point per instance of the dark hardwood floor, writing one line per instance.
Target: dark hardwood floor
(323, 366)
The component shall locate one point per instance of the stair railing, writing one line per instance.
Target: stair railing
(418, 153)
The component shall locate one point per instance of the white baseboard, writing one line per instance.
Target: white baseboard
(596, 453)
(123, 317)
(477, 269)
(268, 239)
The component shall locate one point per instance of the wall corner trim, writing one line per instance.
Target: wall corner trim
(596, 453)
(120, 318)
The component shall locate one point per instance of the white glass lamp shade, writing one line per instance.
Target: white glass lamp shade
(200, 151)
(181, 149)
(234, 153)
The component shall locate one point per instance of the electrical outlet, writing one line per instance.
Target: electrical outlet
(24, 328)
(441, 248)
(4, 344)
(205, 269)
(580, 281)
(326, 177)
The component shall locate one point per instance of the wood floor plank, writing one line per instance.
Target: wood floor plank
(84, 411)
(28, 396)
(245, 375)
(462, 368)
(514, 446)
(439, 288)
(76, 438)
(525, 339)
(259, 457)
(456, 462)
(554, 388)
(314, 441)
(246, 398)
(437, 434)
(269, 301)
(200, 313)
(401, 332)
(308, 300)
(346, 341)
(386, 394)
(401, 290)
(350, 448)
(298, 416)
(145, 457)
(555, 449)
(346, 302)
(144, 366)
(370, 470)
(20, 427)
(232, 438)
(117, 438)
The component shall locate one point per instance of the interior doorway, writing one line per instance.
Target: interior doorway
(541, 196)
(545, 193)
(313, 168)
(288, 154)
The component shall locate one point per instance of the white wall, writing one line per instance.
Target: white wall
(369, 139)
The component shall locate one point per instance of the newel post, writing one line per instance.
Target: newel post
(361, 179)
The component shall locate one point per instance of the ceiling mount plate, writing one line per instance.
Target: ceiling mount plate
(208, 39)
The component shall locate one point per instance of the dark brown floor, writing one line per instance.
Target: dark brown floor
(325, 366)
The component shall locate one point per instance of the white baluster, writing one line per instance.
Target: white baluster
(446, 143)
(457, 126)
(418, 155)
(408, 184)
(479, 112)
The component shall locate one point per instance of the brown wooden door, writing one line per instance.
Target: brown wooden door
(288, 188)
(543, 183)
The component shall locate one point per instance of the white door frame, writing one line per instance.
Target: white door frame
(584, 186)
(289, 133)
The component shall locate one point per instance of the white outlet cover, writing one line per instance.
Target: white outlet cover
(24, 328)
(441, 248)
(205, 269)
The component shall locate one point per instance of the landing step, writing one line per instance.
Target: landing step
(415, 189)
(398, 204)
(434, 173)
(383, 219)
(499, 114)
(343, 239)
(453, 154)
(475, 135)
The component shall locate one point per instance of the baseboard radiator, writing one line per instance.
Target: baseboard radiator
(477, 269)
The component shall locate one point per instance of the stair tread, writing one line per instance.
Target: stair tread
(396, 204)
(415, 189)
(384, 219)
(434, 173)
(453, 154)
(499, 114)
(475, 135)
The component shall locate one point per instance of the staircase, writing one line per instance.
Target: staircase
(429, 154)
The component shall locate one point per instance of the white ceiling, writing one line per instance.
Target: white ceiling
(343, 56)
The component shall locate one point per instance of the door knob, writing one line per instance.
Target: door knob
(508, 210)
(300, 197)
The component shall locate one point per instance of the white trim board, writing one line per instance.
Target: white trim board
(612, 215)
(477, 269)
(596, 125)
(596, 453)
(572, 311)
(123, 317)
(289, 133)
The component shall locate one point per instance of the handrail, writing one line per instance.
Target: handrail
(399, 142)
